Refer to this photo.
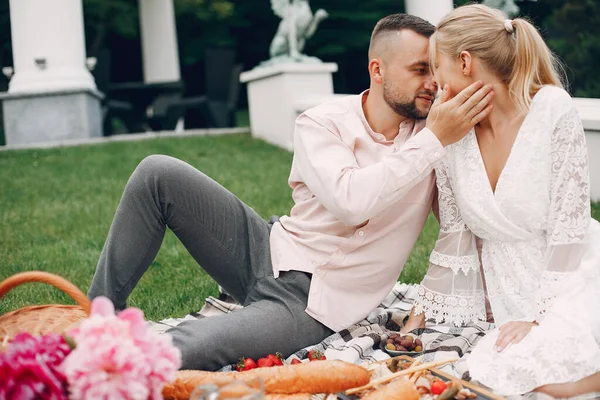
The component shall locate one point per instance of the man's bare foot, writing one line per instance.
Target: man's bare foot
(414, 322)
(590, 384)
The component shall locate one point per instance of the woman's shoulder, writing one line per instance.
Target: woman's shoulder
(553, 97)
(550, 104)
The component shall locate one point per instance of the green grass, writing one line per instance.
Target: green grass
(56, 207)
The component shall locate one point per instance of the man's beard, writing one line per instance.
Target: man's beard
(405, 107)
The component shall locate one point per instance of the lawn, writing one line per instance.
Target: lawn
(56, 206)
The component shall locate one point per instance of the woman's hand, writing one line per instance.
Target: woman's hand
(512, 332)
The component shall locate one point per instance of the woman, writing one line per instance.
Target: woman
(514, 203)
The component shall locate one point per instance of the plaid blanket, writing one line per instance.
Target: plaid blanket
(360, 343)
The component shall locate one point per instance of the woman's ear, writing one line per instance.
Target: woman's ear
(376, 70)
(465, 62)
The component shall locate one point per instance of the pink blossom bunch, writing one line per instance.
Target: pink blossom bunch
(31, 368)
(119, 356)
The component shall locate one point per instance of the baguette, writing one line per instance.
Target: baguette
(314, 377)
(398, 389)
(239, 390)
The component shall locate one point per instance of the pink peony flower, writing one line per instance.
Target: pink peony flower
(119, 356)
(31, 368)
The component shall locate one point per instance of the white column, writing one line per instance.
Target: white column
(430, 10)
(159, 41)
(48, 45)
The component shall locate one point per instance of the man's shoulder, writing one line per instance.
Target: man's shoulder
(338, 107)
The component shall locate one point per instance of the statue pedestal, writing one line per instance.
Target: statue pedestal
(51, 116)
(276, 94)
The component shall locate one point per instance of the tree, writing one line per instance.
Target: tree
(114, 24)
(571, 28)
(575, 38)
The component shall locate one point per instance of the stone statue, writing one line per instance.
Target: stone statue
(508, 7)
(298, 24)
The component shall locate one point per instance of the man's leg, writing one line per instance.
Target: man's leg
(273, 321)
(226, 237)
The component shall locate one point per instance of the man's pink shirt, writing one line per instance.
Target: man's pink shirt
(361, 202)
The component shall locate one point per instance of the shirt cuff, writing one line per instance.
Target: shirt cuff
(427, 140)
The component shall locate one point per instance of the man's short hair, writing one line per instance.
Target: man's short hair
(398, 22)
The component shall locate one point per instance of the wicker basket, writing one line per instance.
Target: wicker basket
(41, 319)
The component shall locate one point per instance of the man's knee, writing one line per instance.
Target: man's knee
(201, 349)
(154, 165)
(156, 171)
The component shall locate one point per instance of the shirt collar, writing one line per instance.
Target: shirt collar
(405, 130)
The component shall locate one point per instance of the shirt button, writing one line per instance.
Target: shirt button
(380, 137)
(437, 154)
(361, 233)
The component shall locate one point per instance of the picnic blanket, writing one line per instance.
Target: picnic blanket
(360, 343)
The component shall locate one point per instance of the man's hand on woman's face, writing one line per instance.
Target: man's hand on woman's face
(450, 119)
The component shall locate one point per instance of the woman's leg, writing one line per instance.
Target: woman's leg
(590, 384)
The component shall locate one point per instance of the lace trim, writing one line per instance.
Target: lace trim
(455, 263)
(459, 310)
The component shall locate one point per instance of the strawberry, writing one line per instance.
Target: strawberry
(265, 362)
(245, 364)
(315, 355)
(295, 361)
(277, 358)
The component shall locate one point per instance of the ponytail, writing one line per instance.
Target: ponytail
(534, 65)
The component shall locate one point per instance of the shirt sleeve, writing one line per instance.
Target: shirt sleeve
(352, 193)
(570, 215)
(452, 290)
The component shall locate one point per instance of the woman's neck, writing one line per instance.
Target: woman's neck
(505, 113)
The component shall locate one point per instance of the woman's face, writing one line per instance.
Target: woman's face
(449, 71)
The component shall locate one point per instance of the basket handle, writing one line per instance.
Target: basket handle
(51, 279)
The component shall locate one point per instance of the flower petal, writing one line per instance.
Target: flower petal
(102, 306)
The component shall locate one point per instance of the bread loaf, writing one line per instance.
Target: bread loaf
(398, 389)
(313, 377)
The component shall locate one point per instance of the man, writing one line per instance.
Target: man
(362, 185)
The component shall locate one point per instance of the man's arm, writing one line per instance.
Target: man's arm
(352, 193)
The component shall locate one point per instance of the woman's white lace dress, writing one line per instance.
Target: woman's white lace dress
(540, 251)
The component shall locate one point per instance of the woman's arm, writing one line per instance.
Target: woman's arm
(569, 218)
(452, 290)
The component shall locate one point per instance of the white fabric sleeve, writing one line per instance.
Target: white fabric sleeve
(452, 291)
(569, 217)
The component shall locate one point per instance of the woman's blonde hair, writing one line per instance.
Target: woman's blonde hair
(513, 49)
